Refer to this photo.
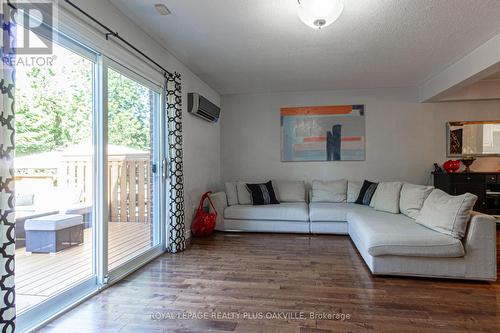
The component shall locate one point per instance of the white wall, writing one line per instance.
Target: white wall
(201, 139)
(403, 137)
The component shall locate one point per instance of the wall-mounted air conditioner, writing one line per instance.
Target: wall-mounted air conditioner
(201, 107)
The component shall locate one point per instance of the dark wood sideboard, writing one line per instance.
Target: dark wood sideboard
(486, 185)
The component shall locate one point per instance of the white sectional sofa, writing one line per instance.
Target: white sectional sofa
(390, 243)
(285, 217)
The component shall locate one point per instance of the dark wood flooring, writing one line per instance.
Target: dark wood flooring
(277, 274)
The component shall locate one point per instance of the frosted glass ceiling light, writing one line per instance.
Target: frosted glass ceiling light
(318, 14)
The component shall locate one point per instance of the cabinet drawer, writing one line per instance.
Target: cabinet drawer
(468, 178)
(491, 179)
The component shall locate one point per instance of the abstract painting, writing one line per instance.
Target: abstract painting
(323, 133)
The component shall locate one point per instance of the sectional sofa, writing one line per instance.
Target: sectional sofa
(402, 238)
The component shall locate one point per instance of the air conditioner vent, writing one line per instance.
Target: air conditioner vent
(201, 107)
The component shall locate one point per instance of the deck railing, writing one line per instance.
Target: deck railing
(129, 190)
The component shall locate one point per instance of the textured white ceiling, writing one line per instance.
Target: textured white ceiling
(241, 46)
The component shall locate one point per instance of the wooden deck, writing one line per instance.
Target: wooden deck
(39, 276)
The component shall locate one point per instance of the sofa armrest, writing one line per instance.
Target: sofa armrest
(480, 245)
(219, 200)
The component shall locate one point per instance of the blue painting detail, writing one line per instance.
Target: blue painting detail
(333, 142)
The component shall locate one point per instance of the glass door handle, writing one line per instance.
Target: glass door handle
(165, 168)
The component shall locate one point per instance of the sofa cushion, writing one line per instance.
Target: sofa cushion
(262, 194)
(353, 189)
(446, 213)
(332, 212)
(386, 197)
(385, 234)
(329, 191)
(287, 211)
(290, 190)
(244, 196)
(412, 199)
(231, 193)
(366, 193)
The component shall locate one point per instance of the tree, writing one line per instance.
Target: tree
(54, 106)
(128, 112)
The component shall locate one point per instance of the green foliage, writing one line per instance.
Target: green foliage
(128, 112)
(54, 107)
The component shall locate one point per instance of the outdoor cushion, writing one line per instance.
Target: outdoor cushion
(53, 222)
(287, 211)
(395, 234)
(25, 199)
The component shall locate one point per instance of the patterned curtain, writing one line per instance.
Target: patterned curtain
(176, 226)
(7, 223)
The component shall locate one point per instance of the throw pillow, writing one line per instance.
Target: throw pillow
(386, 197)
(412, 199)
(366, 193)
(244, 197)
(290, 190)
(447, 214)
(353, 189)
(231, 193)
(263, 194)
(329, 191)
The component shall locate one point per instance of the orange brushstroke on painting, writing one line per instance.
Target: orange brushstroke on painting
(316, 110)
(315, 139)
(351, 138)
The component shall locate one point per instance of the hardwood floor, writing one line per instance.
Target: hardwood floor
(273, 273)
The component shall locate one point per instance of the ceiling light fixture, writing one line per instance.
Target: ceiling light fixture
(318, 14)
(162, 9)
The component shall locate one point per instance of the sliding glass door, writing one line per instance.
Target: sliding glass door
(89, 177)
(54, 174)
(133, 159)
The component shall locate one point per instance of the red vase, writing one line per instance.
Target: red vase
(451, 166)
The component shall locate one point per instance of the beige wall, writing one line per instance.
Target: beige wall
(403, 137)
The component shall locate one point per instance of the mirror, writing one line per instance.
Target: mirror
(473, 138)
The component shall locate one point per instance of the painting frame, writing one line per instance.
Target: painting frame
(327, 133)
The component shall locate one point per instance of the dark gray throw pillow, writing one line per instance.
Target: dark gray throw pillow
(366, 193)
(262, 194)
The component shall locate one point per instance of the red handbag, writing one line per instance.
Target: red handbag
(204, 223)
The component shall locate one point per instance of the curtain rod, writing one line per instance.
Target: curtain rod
(116, 35)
